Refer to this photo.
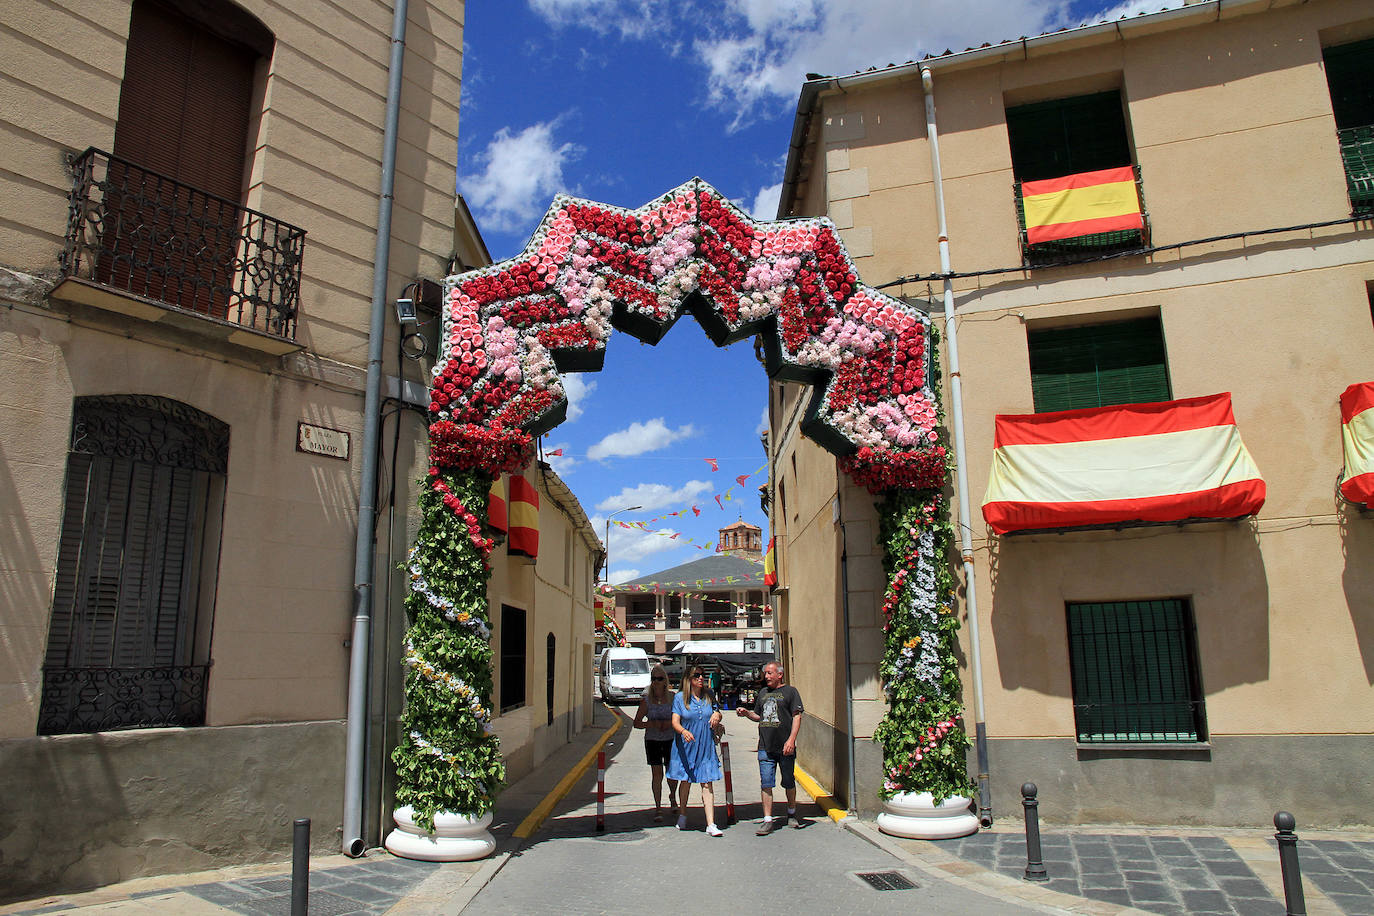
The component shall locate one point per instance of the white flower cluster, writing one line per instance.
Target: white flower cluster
(920, 656)
(420, 586)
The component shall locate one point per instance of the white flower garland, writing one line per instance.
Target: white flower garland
(420, 586)
(453, 684)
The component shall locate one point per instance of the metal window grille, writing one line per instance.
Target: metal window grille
(141, 232)
(128, 637)
(1134, 670)
(1357, 153)
(512, 657)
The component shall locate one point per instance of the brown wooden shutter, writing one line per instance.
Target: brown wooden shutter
(184, 112)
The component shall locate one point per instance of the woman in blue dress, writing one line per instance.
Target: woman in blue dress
(693, 757)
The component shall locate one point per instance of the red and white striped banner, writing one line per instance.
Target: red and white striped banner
(1357, 440)
(1158, 462)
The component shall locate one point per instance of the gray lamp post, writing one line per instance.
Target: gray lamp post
(608, 538)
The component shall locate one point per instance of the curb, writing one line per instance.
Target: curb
(535, 819)
(823, 799)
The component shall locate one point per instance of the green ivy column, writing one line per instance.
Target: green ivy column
(447, 760)
(922, 734)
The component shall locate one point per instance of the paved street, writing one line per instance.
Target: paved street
(638, 865)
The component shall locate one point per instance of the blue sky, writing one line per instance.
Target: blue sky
(619, 101)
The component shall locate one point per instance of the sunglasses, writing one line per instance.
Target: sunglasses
(697, 674)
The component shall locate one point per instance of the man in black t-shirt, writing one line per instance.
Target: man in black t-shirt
(778, 710)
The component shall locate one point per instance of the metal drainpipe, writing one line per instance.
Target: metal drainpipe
(848, 663)
(960, 465)
(355, 740)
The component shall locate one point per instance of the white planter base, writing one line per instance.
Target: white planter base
(456, 837)
(915, 816)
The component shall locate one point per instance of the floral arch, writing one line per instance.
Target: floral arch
(512, 328)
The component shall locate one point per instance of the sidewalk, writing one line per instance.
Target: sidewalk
(550, 858)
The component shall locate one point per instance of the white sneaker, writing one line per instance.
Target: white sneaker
(682, 822)
(713, 830)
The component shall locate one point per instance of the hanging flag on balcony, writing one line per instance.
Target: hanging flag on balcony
(1082, 204)
(1357, 438)
(496, 505)
(1159, 462)
(770, 564)
(524, 517)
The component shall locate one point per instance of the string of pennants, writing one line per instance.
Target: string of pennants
(720, 498)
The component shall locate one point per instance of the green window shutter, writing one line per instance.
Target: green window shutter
(1134, 671)
(1067, 136)
(1097, 365)
(1350, 76)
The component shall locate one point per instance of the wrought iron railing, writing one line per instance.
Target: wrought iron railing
(640, 621)
(1082, 247)
(144, 233)
(85, 700)
(1357, 153)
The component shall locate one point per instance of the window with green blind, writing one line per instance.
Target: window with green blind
(1135, 671)
(1067, 136)
(1350, 77)
(1096, 365)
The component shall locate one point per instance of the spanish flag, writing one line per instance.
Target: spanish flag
(1357, 438)
(770, 564)
(524, 517)
(1160, 462)
(1082, 204)
(496, 505)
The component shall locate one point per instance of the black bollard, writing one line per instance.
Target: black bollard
(1035, 865)
(300, 867)
(1288, 864)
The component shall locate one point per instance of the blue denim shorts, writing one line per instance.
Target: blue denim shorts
(769, 766)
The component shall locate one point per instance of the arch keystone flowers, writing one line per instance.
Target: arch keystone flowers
(509, 332)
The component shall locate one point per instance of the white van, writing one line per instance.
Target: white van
(624, 674)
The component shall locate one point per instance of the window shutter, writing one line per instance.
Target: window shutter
(1097, 365)
(1133, 671)
(1067, 136)
(1350, 77)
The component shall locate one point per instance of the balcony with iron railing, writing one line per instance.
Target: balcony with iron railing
(1082, 247)
(1357, 153)
(149, 246)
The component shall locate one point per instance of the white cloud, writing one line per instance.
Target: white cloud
(631, 18)
(561, 464)
(765, 208)
(761, 50)
(624, 575)
(652, 496)
(763, 422)
(638, 438)
(577, 388)
(520, 172)
(629, 544)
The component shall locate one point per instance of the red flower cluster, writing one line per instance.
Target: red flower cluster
(516, 280)
(523, 407)
(455, 505)
(534, 311)
(495, 450)
(622, 260)
(926, 742)
(834, 266)
(634, 295)
(567, 337)
(723, 221)
(608, 224)
(726, 299)
(887, 469)
(792, 323)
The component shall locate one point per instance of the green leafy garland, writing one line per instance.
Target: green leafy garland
(447, 759)
(922, 733)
